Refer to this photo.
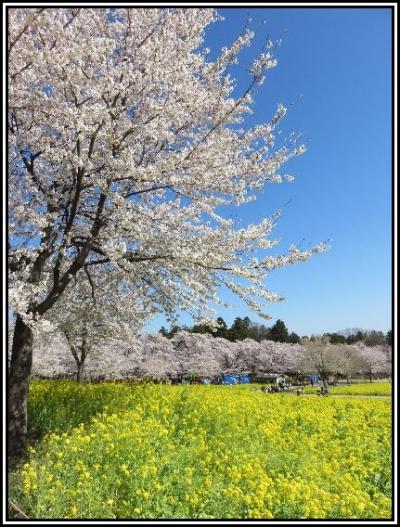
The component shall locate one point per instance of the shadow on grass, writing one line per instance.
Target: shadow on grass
(59, 406)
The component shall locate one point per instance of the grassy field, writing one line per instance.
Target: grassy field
(374, 388)
(155, 451)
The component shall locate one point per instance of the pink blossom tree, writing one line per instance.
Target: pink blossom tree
(319, 357)
(375, 360)
(285, 357)
(52, 357)
(197, 353)
(248, 355)
(349, 361)
(91, 316)
(159, 360)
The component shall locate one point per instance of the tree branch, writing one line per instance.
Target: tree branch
(90, 282)
(137, 192)
(23, 30)
(17, 509)
(97, 262)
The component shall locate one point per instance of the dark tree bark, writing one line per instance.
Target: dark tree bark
(79, 353)
(19, 375)
(79, 372)
(324, 378)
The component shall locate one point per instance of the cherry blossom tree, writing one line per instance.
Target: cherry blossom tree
(115, 359)
(349, 361)
(228, 355)
(159, 360)
(91, 316)
(124, 142)
(376, 360)
(52, 357)
(285, 358)
(197, 353)
(248, 355)
(320, 357)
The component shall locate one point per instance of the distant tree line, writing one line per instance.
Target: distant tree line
(244, 328)
(369, 338)
(241, 329)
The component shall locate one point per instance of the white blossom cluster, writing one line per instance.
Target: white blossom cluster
(125, 143)
(264, 62)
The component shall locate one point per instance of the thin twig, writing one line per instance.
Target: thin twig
(17, 509)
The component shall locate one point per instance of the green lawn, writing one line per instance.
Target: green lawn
(374, 388)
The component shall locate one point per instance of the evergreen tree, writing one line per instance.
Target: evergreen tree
(240, 329)
(203, 329)
(163, 331)
(222, 331)
(169, 334)
(279, 332)
(335, 338)
(294, 338)
(258, 332)
(375, 338)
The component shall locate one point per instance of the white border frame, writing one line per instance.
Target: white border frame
(394, 249)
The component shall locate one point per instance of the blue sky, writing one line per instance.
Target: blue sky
(338, 61)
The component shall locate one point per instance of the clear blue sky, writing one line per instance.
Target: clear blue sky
(339, 61)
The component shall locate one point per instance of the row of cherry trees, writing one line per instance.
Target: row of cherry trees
(156, 357)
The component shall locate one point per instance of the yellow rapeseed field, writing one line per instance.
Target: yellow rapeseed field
(157, 451)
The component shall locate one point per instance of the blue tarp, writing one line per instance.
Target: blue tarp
(234, 379)
(313, 378)
(229, 379)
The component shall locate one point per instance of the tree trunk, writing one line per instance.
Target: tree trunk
(79, 372)
(18, 383)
